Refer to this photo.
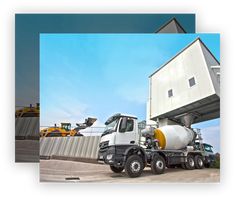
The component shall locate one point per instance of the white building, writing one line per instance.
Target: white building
(186, 87)
(172, 26)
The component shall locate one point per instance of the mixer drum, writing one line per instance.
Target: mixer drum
(173, 137)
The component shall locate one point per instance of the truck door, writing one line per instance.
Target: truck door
(126, 135)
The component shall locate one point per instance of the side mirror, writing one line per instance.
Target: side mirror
(123, 125)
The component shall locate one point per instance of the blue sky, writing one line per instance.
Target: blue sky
(29, 26)
(98, 75)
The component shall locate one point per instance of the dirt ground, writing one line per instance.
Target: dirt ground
(27, 151)
(69, 171)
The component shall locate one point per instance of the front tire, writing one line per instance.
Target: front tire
(116, 169)
(134, 166)
(158, 165)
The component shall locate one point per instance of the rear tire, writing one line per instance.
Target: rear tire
(198, 162)
(158, 165)
(134, 166)
(116, 169)
(190, 164)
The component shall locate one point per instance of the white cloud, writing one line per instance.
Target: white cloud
(67, 110)
(98, 123)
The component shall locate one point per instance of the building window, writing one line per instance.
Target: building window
(170, 93)
(191, 81)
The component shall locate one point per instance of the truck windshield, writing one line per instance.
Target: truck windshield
(112, 125)
(110, 128)
(208, 148)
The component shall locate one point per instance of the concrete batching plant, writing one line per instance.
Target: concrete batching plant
(184, 90)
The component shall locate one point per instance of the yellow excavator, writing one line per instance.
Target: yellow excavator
(28, 111)
(65, 129)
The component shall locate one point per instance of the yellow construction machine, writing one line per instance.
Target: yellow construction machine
(28, 111)
(66, 130)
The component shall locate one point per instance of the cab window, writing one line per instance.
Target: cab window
(129, 125)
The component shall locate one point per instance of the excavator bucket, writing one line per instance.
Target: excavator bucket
(88, 122)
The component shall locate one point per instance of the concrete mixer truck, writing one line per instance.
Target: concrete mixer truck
(124, 145)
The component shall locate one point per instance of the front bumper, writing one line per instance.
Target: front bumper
(109, 156)
(210, 159)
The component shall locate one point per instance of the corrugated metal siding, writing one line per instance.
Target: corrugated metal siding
(27, 128)
(75, 148)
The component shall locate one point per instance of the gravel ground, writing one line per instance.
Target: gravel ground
(27, 151)
(59, 170)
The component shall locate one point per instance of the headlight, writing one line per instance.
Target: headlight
(109, 156)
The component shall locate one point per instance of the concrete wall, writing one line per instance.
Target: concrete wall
(27, 128)
(72, 148)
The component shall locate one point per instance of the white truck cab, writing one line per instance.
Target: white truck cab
(121, 130)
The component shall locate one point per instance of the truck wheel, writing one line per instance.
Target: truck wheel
(198, 162)
(158, 165)
(190, 164)
(116, 169)
(134, 166)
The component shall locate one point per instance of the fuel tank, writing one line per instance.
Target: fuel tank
(174, 137)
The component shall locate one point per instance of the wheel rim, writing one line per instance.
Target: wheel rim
(200, 162)
(159, 164)
(135, 167)
(191, 162)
